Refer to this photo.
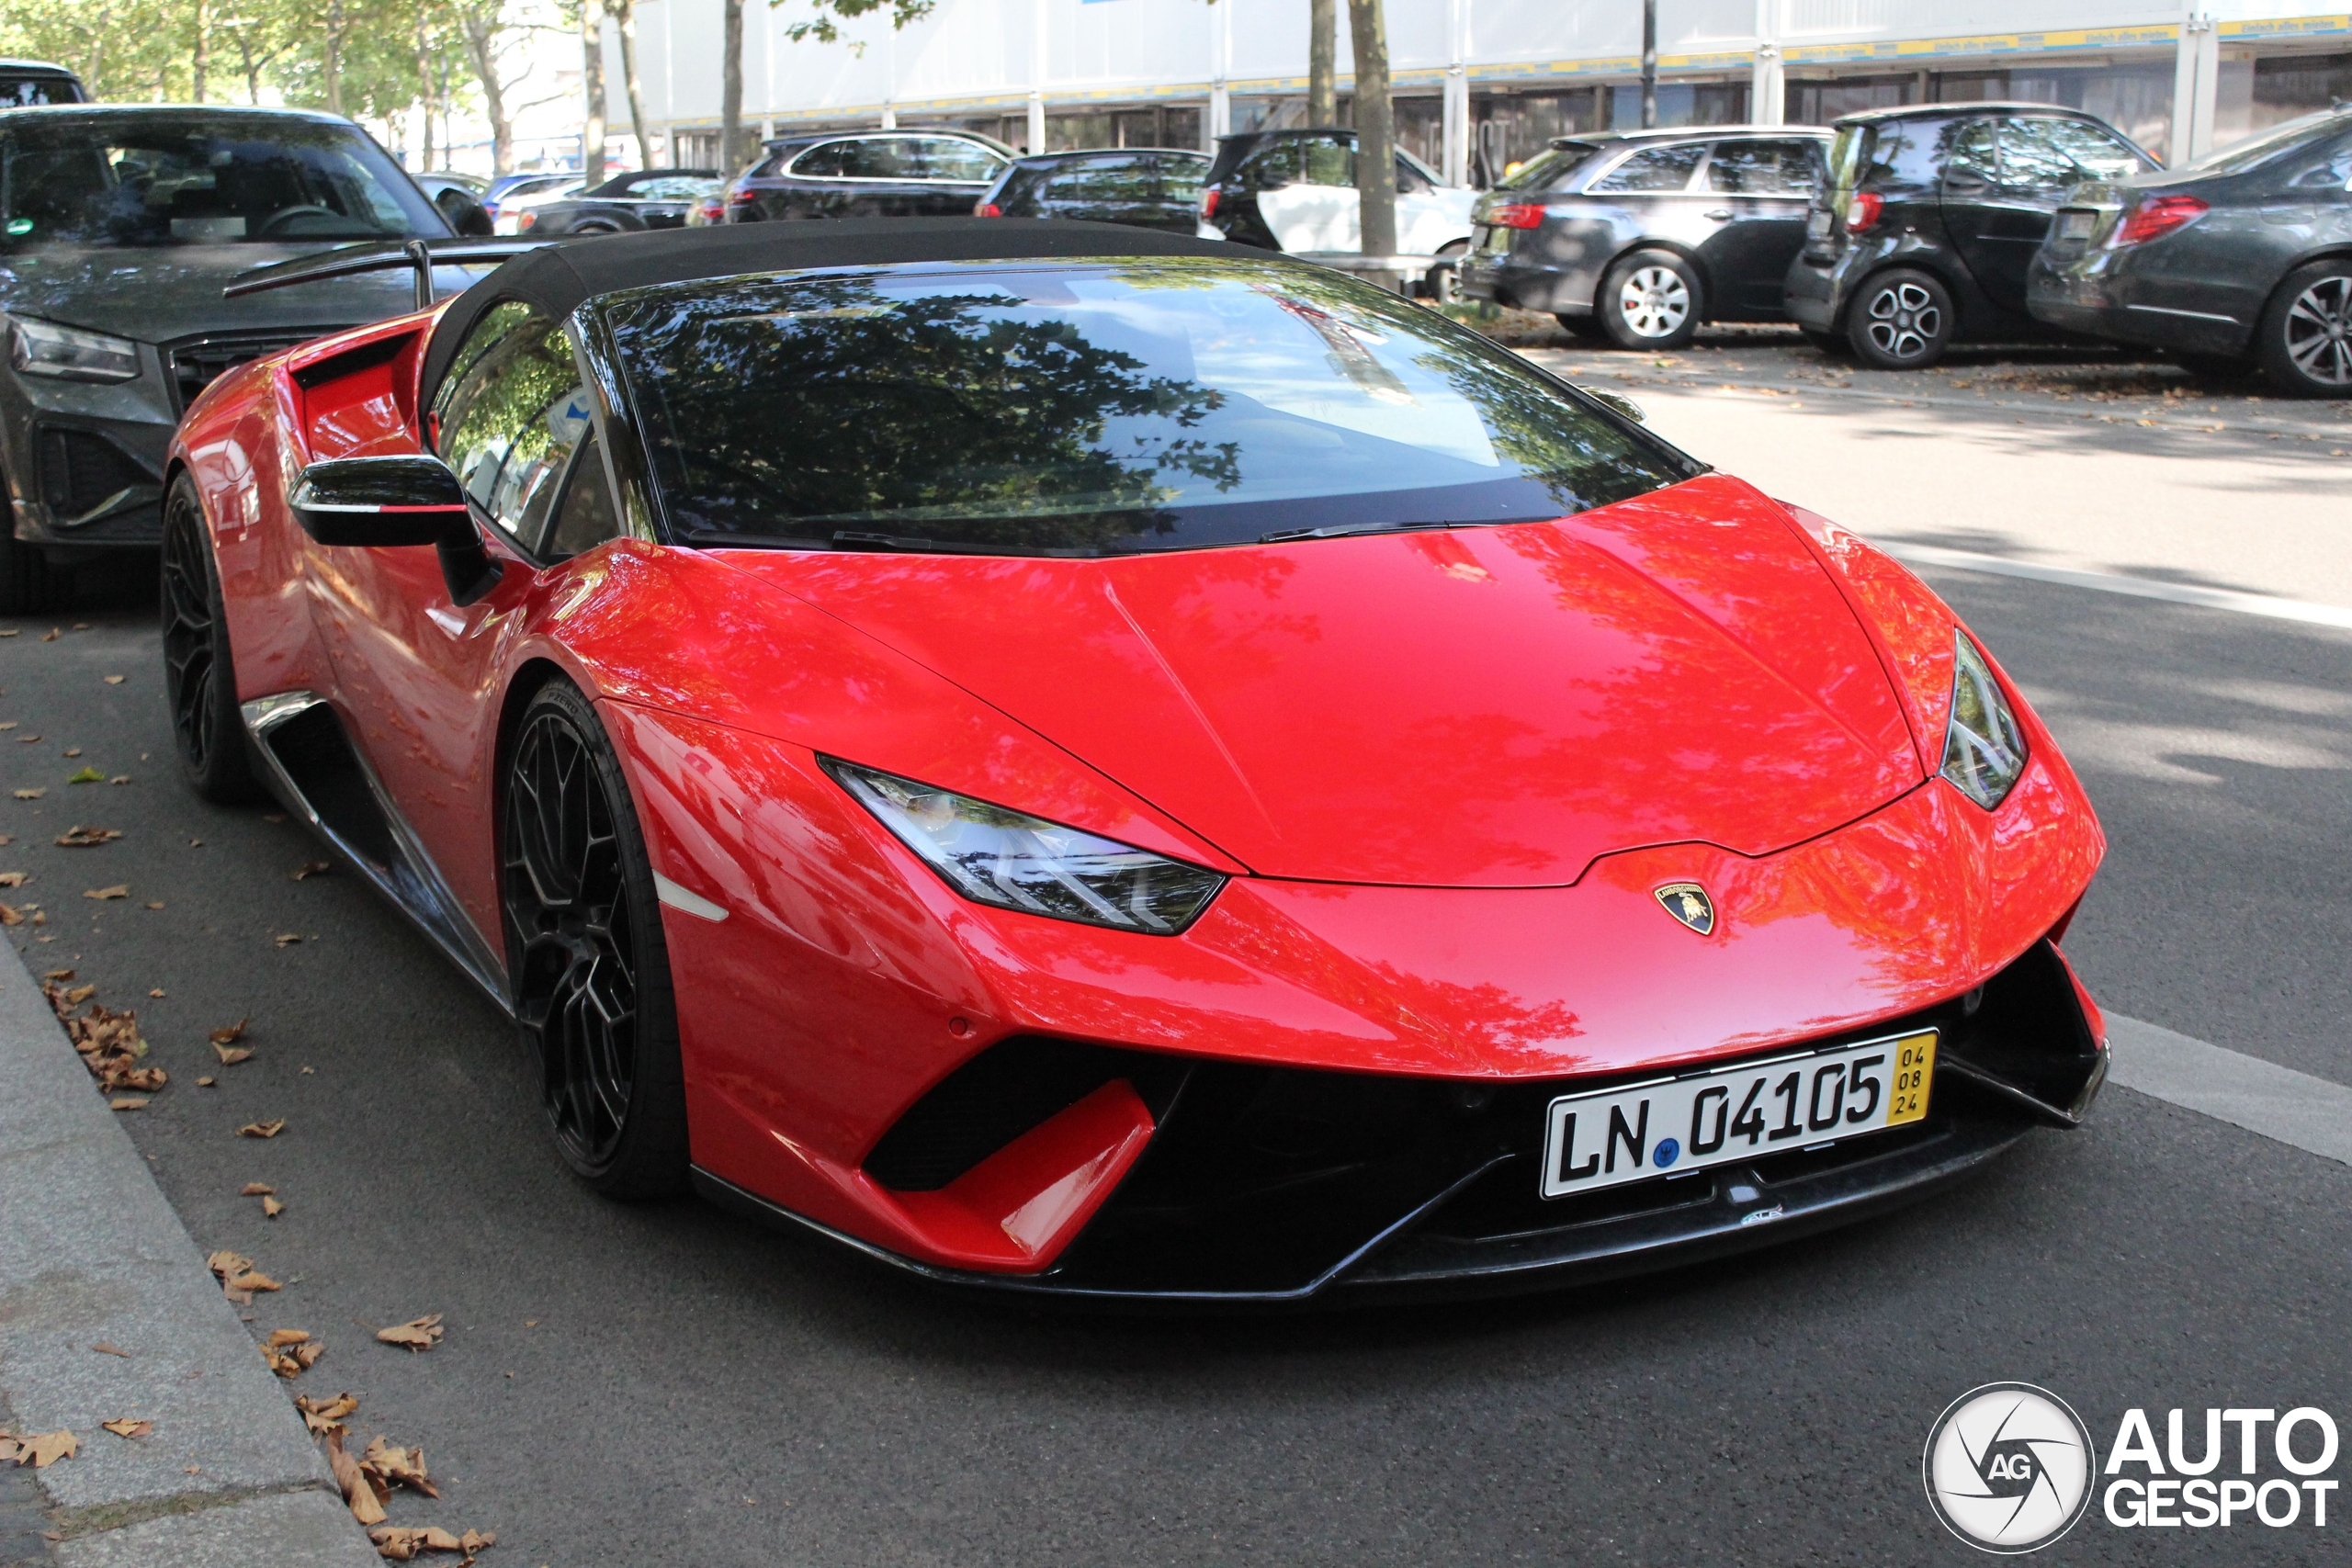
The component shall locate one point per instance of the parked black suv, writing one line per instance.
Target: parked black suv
(868, 174)
(27, 84)
(1148, 188)
(1643, 235)
(628, 204)
(1931, 217)
(2242, 257)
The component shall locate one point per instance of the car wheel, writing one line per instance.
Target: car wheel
(1442, 285)
(200, 676)
(1651, 299)
(1901, 320)
(591, 969)
(2305, 339)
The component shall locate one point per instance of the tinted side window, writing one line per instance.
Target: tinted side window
(827, 160)
(1914, 153)
(942, 158)
(1181, 179)
(1655, 168)
(1104, 180)
(510, 415)
(2029, 160)
(1016, 197)
(1327, 162)
(881, 158)
(28, 91)
(1761, 168)
(2098, 154)
(1270, 168)
(1973, 150)
(585, 519)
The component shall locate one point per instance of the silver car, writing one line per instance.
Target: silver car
(1640, 236)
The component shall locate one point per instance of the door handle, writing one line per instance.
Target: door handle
(1720, 214)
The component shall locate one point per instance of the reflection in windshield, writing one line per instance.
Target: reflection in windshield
(161, 179)
(1086, 407)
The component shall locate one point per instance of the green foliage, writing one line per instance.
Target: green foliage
(820, 27)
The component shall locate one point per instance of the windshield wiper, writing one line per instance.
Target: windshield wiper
(1341, 531)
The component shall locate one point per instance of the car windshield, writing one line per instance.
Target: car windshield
(1095, 408)
(1550, 169)
(166, 179)
(2240, 157)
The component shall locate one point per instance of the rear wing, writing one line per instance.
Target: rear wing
(420, 255)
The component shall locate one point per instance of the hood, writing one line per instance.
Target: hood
(1480, 708)
(157, 294)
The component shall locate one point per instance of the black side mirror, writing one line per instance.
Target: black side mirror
(389, 502)
(464, 214)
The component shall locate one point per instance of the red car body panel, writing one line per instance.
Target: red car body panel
(1445, 771)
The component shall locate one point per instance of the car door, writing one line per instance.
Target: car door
(1649, 194)
(415, 672)
(1758, 191)
(1999, 215)
(1317, 209)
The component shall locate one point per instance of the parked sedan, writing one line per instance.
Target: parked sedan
(1150, 187)
(1296, 190)
(1931, 217)
(1643, 236)
(881, 174)
(2242, 258)
(649, 198)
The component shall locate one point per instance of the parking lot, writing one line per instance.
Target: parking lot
(670, 1384)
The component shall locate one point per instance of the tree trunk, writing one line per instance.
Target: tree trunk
(591, 87)
(201, 59)
(625, 18)
(731, 91)
(334, 57)
(1322, 61)
(98, 52)
(1375, 122)
(425, 86)
(482, 49)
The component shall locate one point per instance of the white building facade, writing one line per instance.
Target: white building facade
(1481, 83)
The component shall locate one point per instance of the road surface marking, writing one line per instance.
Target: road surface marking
(2312, 1115)
(2137, 587)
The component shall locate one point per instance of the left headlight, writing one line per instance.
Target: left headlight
(1985, 752)
(44, 348)
(1014, 860)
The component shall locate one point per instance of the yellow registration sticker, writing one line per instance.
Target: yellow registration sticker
(1915, 1068)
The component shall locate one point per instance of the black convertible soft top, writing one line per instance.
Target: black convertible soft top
(558, 277)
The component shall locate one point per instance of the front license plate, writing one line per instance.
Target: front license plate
(1615, 1136)
(2076, 225)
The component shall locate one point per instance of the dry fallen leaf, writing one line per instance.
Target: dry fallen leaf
(119, 890)
(238, 1279)
(417, 1334)
(104, 1348)
(9, 916)
(114, 680)
(44, 1448)
(120, 779)
(79, 838)
(30, 794)
(281, 1337)
(352, 1482)
(155, 904)
(14, 878)
(287, 938)
(324, 1415)
(271, 1208)
(290, 1352)
(54, 633)
(126, 1428)
(126, 1102)
(156, 992)
(255, 1189)
(229, 1034)
(309, 869)
(204, 1083)
(231, 1055)
(398, 1467)
(262, 1129)
(71, 751)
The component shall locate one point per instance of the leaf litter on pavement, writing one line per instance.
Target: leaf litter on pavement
(417, 1334)
(367, 1481)
(107, 1041)
(238, 1279)
(39, 1450)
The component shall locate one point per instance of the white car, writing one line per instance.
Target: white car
(1295, 191)
(511, 203)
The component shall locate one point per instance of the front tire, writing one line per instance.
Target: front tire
(1651, 299)
(1903, 320)
(590, 968)
(199, 673)
(2305, 338)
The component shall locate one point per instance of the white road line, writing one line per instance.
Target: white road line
(2137, 587)
(2312, 1115)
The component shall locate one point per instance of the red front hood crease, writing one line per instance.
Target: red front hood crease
(1489, 707)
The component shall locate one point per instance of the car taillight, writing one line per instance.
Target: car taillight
(1861, 213)
(525, 221)
(2154, 218)
(1517, 215)
(987, 209)
(739, 197)
(1208, 202)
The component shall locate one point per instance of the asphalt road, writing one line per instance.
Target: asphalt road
(669, 1384)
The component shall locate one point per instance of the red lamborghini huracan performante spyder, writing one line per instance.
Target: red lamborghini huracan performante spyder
(1087, 762)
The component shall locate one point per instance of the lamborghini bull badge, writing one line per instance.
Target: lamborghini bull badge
(1688, 902)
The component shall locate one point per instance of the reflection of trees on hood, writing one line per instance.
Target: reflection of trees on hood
(798, 403)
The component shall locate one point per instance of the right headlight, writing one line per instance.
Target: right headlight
(1985, 752)
(44, 348)
(1015, 861)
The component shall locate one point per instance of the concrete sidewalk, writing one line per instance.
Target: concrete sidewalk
(90, 1254)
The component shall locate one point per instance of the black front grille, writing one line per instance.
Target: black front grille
(196, 364)
(80, 469)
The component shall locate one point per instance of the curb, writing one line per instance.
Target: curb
(91, 1252)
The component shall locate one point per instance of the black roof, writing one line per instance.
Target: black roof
(1080, 154)
(1946, 111)
(558, 277)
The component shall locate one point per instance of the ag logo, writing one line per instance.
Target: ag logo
(2008, 1468)
(1688, 902)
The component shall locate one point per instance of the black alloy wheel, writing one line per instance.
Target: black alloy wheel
(1903, 320)
(2305, 339)
(200, 676)
(591, 970)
